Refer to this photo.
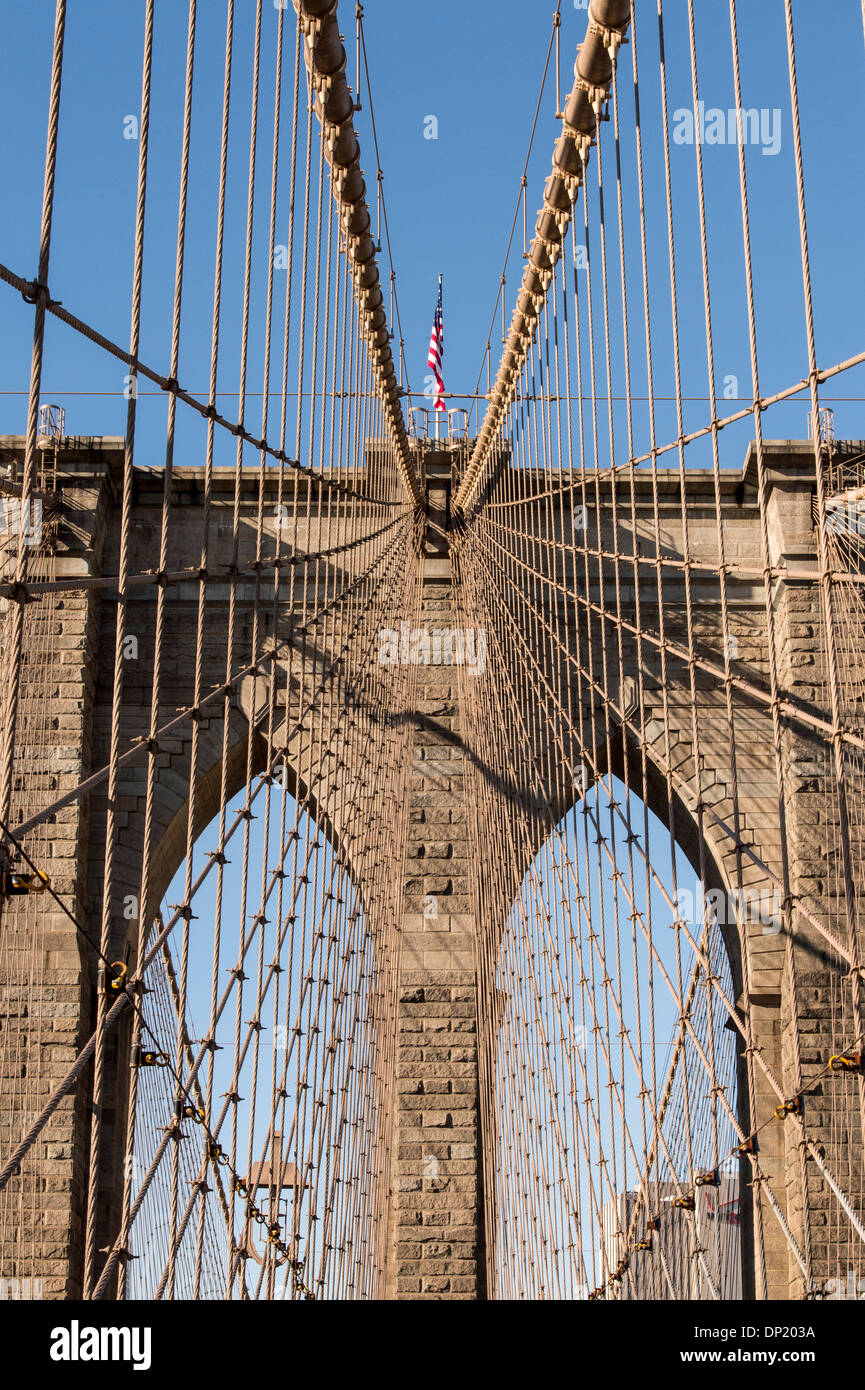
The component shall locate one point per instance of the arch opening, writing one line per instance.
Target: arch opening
(614, 1071)
(265, 1011)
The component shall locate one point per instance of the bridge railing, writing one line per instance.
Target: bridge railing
(448, 428)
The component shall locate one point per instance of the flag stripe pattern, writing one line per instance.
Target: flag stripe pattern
(436, 353)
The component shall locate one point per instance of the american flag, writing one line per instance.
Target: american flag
(437, 351)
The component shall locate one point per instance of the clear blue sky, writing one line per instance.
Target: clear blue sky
(477, 69)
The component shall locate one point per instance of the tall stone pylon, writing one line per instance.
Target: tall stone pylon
(437, 1241)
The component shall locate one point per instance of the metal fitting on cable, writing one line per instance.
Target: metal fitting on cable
(846, 1061)
(113, 977)
(15, 885)
(608, 24)
(707, 1179)
(149, 1057)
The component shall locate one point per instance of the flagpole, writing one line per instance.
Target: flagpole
(437, 413)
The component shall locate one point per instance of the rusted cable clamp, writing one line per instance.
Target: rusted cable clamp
(846, 1062)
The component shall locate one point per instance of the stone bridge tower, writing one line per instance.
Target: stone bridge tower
(437, 1224)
